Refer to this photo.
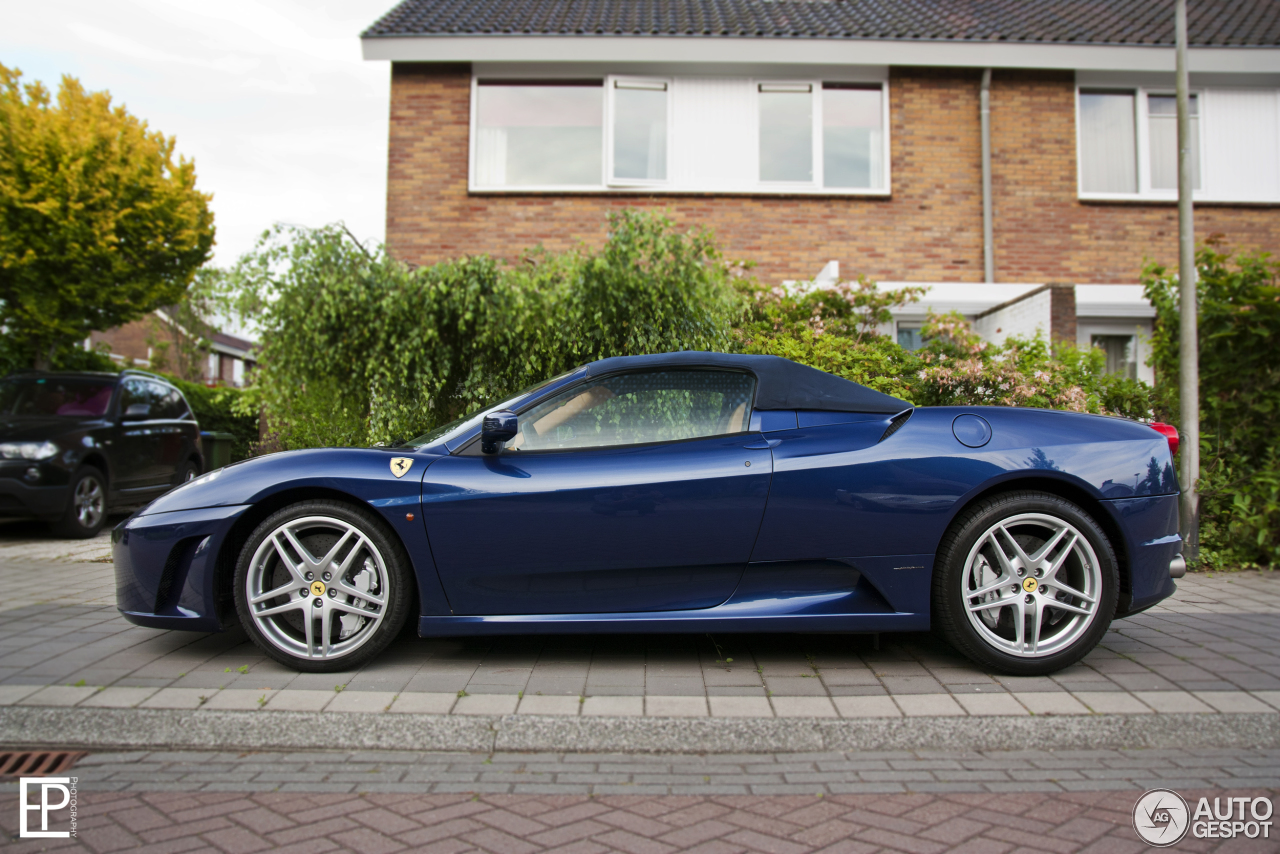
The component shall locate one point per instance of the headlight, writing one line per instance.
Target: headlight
(28, 450)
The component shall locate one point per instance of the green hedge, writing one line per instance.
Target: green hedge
(1239, 330)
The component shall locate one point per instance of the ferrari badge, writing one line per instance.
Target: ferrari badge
(400, 465)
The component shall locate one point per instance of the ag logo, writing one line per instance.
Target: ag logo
(1161, 818)
(400, 465)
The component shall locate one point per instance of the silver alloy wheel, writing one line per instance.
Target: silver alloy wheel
(313, 607)
(89, 502)
(1031, 585)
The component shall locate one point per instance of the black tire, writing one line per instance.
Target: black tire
(86, 510)
(283, 637)
(985, 628)
(188, 471)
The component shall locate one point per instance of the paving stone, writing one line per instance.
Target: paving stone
(10, 694)
(614, 706)
(867, 707)
(675, 707)
(117, 698)
(423, 703)
(1233, 702)
(486, 704)
(1169, 702)
(1113, 703)
(991, 704)
(239, 699)
(58, 695)
(176, 698)
(928, 705)
(299, 700)
(361, 701)
(561, 706)
(804, 707)
(740, 707)
(1051, 703)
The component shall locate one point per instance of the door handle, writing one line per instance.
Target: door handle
(763, 445)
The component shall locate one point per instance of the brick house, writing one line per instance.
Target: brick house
(816, 136)
(226, 359)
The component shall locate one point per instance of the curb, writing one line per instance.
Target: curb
(222, 730)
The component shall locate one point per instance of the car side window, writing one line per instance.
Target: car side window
(639, 408)
(142, 393)
(173, 406)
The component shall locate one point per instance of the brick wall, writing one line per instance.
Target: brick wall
(930, 230)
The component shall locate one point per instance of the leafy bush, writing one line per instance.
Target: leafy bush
(218, 410)
(1239, 326)
(836, 330)
(360, 348)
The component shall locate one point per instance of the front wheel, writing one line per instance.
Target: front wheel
(86, 506)
(1026, 583)
(322, 586)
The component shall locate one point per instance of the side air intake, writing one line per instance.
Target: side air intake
(896, 422)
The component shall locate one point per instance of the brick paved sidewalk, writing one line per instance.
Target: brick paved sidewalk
(512, 824)
(1215, 647)
(830, 773)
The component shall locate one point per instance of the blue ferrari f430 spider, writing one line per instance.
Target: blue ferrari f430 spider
(684, 492)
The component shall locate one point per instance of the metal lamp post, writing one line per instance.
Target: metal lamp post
(1189, 347)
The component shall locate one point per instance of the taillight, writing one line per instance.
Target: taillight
(1169, 432)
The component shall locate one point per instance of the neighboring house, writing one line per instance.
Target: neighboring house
(844, 134)
(226, 359)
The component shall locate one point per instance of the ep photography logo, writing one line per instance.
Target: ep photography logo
(64, 786)
(1162, 818)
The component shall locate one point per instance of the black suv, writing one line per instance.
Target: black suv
(75, 446)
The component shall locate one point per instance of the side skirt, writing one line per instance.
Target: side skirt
(668, 621)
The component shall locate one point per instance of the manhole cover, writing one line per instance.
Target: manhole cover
(36, 763)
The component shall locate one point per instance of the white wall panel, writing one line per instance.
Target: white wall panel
(1242, 145)
(715, 133)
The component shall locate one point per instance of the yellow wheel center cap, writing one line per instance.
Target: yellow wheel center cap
(1028, 585)
(318, 588)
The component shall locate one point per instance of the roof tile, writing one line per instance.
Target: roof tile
(1253, 23)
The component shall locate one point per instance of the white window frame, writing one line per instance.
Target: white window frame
(474, 139)
(750, 186)
(610, 111)
(1142, 141)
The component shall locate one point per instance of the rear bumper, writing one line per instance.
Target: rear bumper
(166, 567)
(1153, 548)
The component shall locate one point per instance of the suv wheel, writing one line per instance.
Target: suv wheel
(87, 508)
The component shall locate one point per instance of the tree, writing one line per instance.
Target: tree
(98, 223)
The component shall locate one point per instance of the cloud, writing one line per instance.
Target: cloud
(285, 122)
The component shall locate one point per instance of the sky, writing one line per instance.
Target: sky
(270, 98)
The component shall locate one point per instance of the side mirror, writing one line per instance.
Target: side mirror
(498, 427)
(137, 412)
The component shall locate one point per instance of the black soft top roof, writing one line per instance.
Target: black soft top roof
(782, 383)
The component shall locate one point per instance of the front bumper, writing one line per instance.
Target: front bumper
(21, 499)
(167, 564)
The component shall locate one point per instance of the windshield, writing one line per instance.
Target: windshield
(471, 419)
(46, 396)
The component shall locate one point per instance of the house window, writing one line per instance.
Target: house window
(1162, 133)
(1128, 144)
(786, 132)
(640, 122)
(1121, 352)
(910, 335)
(852, 136)
(1108, 160)
(688, 134)
(543, 134)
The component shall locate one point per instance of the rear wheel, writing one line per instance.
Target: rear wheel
(1026, 583)
(188, 471)
(322, 586)
(87, 506)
